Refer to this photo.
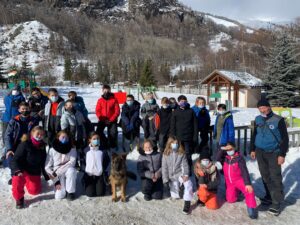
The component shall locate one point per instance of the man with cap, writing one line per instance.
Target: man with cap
(269, 146)
(11, 102)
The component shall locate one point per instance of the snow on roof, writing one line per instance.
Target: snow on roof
(243, 78)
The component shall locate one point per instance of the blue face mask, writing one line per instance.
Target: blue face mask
(95, 142)
(38, 138)
(64, 140)
(205, 162)
(150, 101)
(54, 98)
(129, 103)
(183, 104)
(230, 153)
(174, 146)
(201, 106)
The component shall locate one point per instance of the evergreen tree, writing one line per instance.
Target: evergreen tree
(106, 75)
(147, 79)
(68, 69)
(282, 73)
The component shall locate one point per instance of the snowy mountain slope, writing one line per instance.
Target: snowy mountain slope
(30, 40)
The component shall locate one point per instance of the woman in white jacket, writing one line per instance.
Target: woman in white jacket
(60, 165)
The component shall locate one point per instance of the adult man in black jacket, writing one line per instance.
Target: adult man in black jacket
(184, 126)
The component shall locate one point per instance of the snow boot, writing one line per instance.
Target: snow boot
(147, 197)
(20, 203)
(274, 209)
(200, 203)
(70, 196)
(252, 213)
(186, 207)
(265, 200)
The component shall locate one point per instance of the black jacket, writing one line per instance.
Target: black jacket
(184, 125)
(165, 116)
(36, 105)
(131, 115)
(29, 158)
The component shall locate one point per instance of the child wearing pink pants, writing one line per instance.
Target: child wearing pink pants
(237, 179)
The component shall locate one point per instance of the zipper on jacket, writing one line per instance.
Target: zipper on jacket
(229, 165)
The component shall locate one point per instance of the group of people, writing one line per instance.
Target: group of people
(172, 133)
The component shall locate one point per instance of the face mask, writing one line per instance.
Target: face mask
(25, 113)
(38, 138)
(205, 162)
(221, 112)
(129, 103)
(14, 92)
(230, 153)
(96, 142)
(263, 115)
(54, 98)
(173, 105)
(64, 140)
(174, 146)
(149, 152)
(71, 110)
(150, 101)
(200, 106)
(165, 106)
(183, 104)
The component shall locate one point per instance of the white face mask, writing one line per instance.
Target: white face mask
(165, 106)
(230, 153)
(14, 92)
(174, 146)
(263, 115)
(221, 112)
(205, 162)
(149, 152)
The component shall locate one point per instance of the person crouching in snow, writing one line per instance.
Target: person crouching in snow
(237, 178)
(60, 166)
(208, 180)
(149, 169)
(175, 173)
(96, 162)
(27, 165)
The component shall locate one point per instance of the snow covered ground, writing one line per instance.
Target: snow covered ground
(43, 209)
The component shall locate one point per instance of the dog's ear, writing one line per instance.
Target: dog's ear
(114, 155)
(124, 156)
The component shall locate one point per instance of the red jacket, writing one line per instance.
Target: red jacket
(108, 109)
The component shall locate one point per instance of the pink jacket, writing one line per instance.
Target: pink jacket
(235, 169)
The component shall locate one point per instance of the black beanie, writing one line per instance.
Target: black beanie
(263, 102)
(205, 155)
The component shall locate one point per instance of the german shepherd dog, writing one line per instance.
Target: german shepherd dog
(118, 176)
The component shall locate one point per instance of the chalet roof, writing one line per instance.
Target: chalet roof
(242, 78)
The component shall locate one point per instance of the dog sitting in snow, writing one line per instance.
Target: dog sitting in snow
(118, 176)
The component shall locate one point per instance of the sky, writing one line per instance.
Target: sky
(245, 10)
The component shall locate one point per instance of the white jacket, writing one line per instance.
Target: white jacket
(94, 159)
(60, 163)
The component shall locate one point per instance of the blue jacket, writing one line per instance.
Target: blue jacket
(203, 117)
(14, 133)
(228, 134)
(80, 106)
(270, 134)
(11, 103)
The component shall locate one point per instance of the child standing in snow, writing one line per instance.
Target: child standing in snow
(149, 169)
(208, 180)
(60, 166)
(175, 173)
(164, 115)
(237, 179)
(96, 162)
(27, 165)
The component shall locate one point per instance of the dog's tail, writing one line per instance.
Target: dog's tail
(131, 175)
